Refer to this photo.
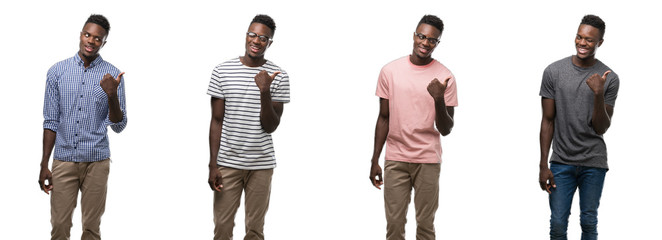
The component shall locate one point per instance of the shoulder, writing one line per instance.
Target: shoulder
(399, 62)
(109, 68)
(60, 67)
(601, 68)
(559, 64)
(229, 65)
(273, 67)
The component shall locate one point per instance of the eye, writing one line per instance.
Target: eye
(87, 35)
(263, 39)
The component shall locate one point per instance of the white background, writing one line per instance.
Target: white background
(333, 53)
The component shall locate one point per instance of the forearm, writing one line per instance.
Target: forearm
(600, 119)
(546, 134)
(381, 132)
(443, 119)
(47, 147)
(115, 113)
(269, 118)
(215, 128)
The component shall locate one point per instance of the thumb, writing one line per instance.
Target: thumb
(604, 76)
(119, 77)
(273, 76)
(446, 81)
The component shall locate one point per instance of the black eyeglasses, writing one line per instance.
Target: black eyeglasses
(262, 38)
(432, 41)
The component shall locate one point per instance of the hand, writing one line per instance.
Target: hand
(110, 84)
(215, 179)
(44, 175)
(263, 80)
(436, 88)
(597, 83)
(376, 176)
(546, 180)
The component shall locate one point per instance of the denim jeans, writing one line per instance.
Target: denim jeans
(568, 178)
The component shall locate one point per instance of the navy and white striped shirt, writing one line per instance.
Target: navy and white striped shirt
(76, 108)
(244, 144)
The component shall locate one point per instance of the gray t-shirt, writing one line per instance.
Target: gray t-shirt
(575, 142)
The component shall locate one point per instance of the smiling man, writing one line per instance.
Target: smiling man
(578, 96)
(84, 95)
(247, 97)
(417, 93)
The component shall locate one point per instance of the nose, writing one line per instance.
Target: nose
(256, 40)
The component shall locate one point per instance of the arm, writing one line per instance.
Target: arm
(270, 112)
(109, 85)
(546, 178)
(215, 128)
(601, 118)
(45, 173)
(381, 132)
(443, 114)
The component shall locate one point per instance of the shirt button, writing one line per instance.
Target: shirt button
(77, 121)
(79, 109)
(83, 83)
(81, 95)
(76, 135)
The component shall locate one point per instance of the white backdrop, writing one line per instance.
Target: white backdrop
(333, 52)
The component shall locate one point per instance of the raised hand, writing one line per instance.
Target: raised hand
(110, 84)
(436, 88)
(263, 80)
(597, 83)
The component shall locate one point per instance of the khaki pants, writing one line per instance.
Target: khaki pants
(257, 187)
(399, 179)
(91, 179)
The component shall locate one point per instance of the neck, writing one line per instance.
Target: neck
(251, 61)
(586, 62)
(416, 60)
(87, 61)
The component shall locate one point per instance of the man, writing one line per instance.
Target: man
(578, 96)
(247, 97)
(416, 94)
(84, 95)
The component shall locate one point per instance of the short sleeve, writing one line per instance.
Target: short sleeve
(547, 85)
(281, 88)
(383, 84)
(450, 95)
(215, 89)
(611, 91)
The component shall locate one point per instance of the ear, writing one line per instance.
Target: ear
(103, 44)
(269, 44)
(600, 42)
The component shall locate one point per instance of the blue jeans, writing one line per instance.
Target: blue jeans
(568, 178)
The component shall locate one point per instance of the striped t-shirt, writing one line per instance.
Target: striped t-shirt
(244, 144)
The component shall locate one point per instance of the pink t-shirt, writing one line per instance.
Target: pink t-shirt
(412, 136)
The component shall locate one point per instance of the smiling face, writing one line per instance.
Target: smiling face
(92, 39)
(587, 41)
(256, 45)
(422, 47)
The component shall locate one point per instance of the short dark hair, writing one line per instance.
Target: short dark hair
(100, 20)
(595, 22)
(266, 20)
(434, 21)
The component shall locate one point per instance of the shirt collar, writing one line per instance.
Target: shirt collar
(80, 62)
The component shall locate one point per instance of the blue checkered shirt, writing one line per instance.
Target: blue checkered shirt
(76, 108)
